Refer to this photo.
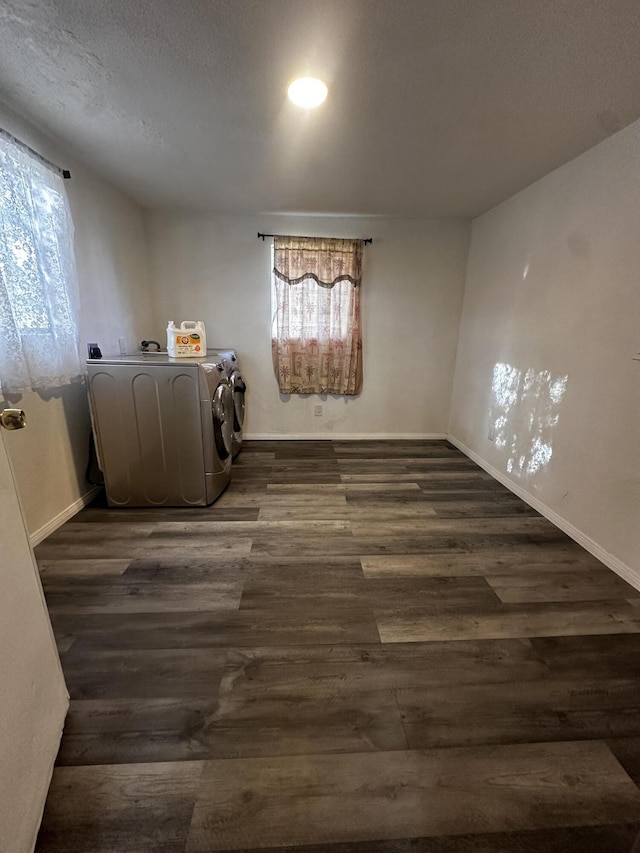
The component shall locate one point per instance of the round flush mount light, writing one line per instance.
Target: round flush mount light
(307, 92)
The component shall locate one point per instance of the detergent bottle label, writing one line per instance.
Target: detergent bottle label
(188, 344)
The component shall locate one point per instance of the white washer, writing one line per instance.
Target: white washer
(163, 427)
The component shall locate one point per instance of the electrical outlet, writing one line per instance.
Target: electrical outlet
(123, 346)
(491, 435)
(318, 411)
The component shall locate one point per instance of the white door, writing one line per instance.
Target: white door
(33, 697)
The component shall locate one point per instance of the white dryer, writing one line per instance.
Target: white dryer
(164, 428)
(238, 390)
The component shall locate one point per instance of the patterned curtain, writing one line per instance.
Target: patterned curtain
(317, 340)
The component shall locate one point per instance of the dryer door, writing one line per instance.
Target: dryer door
(238, 388)
(222, 411)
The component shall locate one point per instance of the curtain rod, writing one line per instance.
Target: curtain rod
(365, 241)
(65, 173)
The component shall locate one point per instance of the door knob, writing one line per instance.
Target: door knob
(13, 419)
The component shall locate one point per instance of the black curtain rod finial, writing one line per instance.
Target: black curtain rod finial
(65, 173)
(365, 240)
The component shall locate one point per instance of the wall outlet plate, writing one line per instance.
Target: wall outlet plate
(318, 410)
(122, 343)
(491, 435)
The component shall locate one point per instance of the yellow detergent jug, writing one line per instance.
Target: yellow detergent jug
(189, 340)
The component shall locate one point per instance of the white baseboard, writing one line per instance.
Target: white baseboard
(67, 513)
(345, 436)
(621, 568)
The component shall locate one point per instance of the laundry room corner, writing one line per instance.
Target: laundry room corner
(50, 457)
(215, 268)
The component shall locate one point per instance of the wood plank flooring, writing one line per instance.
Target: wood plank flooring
(361, 647)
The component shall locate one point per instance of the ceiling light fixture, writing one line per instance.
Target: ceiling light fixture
(307, 92)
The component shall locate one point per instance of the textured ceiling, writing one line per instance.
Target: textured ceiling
(436, 107)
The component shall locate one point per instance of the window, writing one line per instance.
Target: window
(316, 336)
(38, 331)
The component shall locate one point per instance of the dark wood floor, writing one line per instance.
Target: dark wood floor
(362, 646)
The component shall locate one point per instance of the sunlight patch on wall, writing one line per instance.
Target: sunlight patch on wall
(525, 412)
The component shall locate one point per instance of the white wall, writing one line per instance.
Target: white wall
(50, 456)
(550, 325)
(215, 269)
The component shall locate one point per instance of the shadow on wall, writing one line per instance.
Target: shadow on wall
(524, 412)
(45, 394)
(58, 430)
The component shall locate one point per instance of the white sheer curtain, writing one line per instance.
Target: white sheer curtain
(38, 285)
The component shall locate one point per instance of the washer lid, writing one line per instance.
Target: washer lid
(156, 358)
